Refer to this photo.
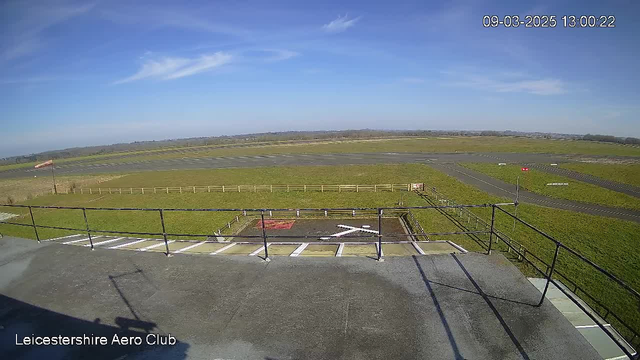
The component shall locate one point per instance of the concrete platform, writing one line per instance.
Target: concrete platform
(450, 306)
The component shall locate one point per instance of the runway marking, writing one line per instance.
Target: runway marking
(223, 249)
(156, 245)
(75, 241)
(591, 326)
(62, 237)
(340, 248)
(299, 250)
(259, 250)
(418, 248)
(105, 242)
(127, 244)
(188, 247)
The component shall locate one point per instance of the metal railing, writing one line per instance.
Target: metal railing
(243, 188)
(523, 254)
(378, 212)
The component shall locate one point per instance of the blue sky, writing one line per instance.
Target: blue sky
(90, 73)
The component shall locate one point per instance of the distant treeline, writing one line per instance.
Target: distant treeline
(613, 139)
(292, 136)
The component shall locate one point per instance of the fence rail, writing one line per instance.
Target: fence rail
(247, 188)
(524, 254)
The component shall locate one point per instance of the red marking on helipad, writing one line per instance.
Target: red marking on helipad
(276, 224)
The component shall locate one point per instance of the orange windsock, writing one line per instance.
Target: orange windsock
(44, 164)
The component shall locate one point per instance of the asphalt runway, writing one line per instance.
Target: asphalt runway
(276, 160)
(443, 161)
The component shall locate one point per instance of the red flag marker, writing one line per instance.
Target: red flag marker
(525, 169)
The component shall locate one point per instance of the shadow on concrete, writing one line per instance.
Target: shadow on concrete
(19, 320)
(443, 319)
(493, 308)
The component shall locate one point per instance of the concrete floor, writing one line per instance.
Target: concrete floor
(458, 306)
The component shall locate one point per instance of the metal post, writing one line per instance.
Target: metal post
(86, 223)
(380, 235)
(553, 265)
(33, 222)
(264, 238)
(164, 233)
(53, 174)
(493, 218)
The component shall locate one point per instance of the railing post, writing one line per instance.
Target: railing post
(164, 233)
(493, 218)
(86, 223)
(380, 235)
(33, 223)
(264, 238)
(553, 265)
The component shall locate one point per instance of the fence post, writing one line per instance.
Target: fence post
(33, 222)
(100, 191)
(194, 189)
(90, 191)
(222, 188)
(142, 191)
(86, 223)
(131, 191)
(321, 188)
(164, 233)
(380, 235)
(208, 188)
(264, 238)
(553, 265)
(493, 218)
(271, 188)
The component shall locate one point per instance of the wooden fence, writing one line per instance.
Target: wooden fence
(249, 188)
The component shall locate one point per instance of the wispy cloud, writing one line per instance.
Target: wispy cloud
(340, 24)
(29, 22)
(169, 68)
(506, 82)
(280, 54)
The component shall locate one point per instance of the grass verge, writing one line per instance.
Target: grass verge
(624, 173)
(536, 181)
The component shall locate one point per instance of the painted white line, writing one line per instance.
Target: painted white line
(620, 357)
(62, 237)
(358, 229)
(344, 232)
(300, 249)
(127, 244)
(340, 248)
(590, 326)
(75, 241)
(223, 249)
(105, 242)
(417, 247)
(156, 245)
(259, 250)
(188, 247)
(457, 246)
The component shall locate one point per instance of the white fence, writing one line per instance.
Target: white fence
(251, 188)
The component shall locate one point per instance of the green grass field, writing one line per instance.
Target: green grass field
(624, 173)
(609, 242)
(311, 175)
(435, 144)
(535, 181)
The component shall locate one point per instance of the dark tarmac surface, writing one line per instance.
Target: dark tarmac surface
(469, 306)
(278, 160)
(392, 229)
